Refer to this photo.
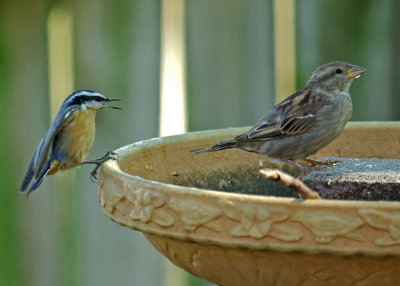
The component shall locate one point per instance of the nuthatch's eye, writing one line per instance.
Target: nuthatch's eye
(338, 71)
(99, 98)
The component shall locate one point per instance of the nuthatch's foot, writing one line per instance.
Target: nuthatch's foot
(110, 155)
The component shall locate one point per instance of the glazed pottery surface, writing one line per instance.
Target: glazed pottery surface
(205, 212)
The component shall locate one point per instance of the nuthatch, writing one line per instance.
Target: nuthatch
(69, 138)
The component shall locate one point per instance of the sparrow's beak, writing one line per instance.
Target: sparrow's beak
(113, 99)
(355, 72)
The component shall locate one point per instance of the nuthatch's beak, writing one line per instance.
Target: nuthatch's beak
(113, 99)
(355, 72)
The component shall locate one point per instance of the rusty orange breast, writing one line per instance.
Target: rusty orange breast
(77, 138)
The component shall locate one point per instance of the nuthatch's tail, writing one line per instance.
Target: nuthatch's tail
(29, 176)
(227, 144)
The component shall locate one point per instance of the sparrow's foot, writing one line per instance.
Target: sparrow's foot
(98, 162)
(314, 165)
(319, 163)
(303, 169)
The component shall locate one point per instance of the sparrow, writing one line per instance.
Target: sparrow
(304, 122)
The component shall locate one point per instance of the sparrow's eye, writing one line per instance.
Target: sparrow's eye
(338, 71)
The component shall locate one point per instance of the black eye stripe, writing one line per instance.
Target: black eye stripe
(80, 99)
(86, 98)
(98, 98)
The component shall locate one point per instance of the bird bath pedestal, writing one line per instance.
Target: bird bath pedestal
(207, 215)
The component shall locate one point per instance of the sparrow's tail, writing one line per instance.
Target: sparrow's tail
(227, 144)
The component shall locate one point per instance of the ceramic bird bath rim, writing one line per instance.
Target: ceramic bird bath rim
(139, 192)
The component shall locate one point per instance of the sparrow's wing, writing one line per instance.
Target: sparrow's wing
(42, 152)
(293, 116)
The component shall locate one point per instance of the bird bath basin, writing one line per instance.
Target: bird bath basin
(206, 213)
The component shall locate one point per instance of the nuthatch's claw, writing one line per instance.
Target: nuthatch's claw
(93, 174)
(110, 155)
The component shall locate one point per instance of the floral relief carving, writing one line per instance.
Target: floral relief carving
(148, 206)
(110, 197)
(258, 222)
(389, 221)
(326, 227)
(195, 214)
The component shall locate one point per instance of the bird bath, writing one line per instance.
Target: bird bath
(224, 231)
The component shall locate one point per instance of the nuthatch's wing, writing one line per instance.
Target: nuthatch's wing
(39, 166)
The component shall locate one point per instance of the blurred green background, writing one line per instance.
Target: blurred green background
(59, 236)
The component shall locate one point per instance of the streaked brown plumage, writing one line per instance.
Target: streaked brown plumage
(304, 122)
